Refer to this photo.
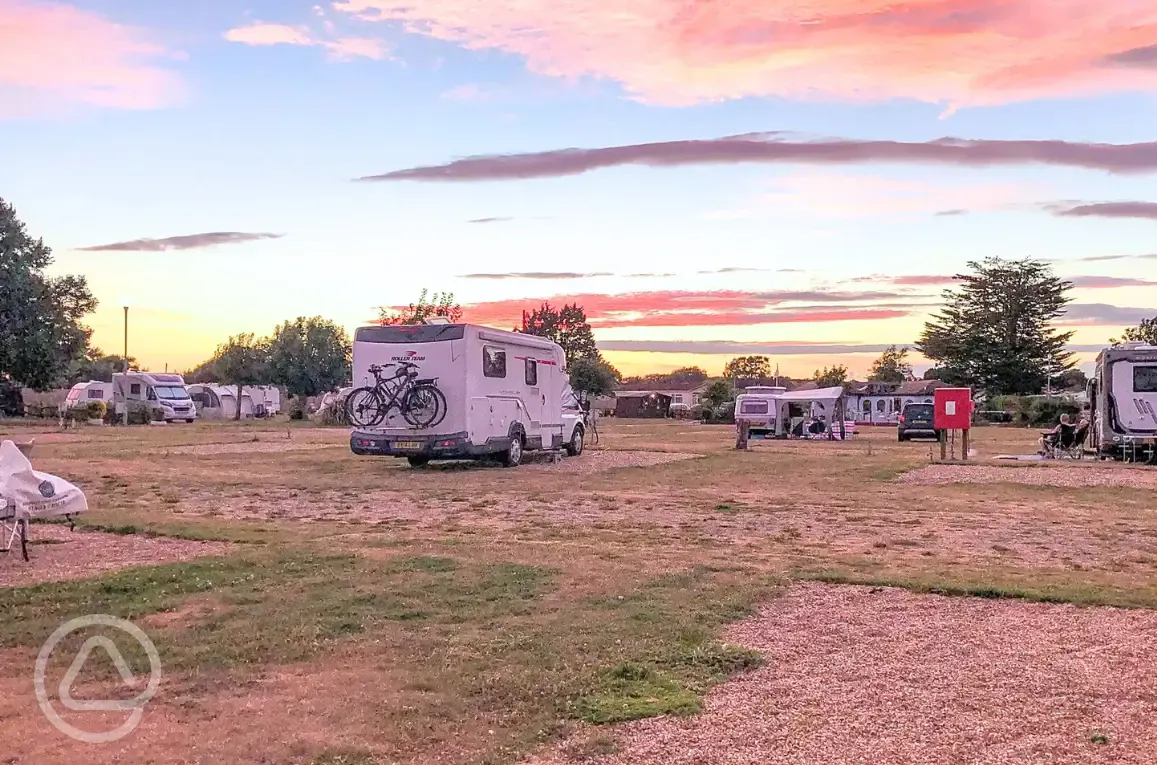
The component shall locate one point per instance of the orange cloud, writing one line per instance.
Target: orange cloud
(51, 53)
(340, 48)
(958, 52)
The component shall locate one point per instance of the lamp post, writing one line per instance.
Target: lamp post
(126, 369)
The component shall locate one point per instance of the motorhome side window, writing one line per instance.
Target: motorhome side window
(493, 361)
(531, 372)
(135, 389)
(96, 394)
(1145, 379)
(152, 395)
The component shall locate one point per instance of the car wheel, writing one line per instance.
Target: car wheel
(575, 447)
(417, 462)
(513, 455)
(901, 437)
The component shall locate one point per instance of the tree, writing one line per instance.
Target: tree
(309, 356)
(688, 374)
(41, 336)
(830, 377)
(748, 368)
(718, 393)
(439, 304)
(96, 365)
(892, 366)
(243, 360)
(1072, 380)
(1145, 332)
(566, 326)
(593, 377)
(995, 331)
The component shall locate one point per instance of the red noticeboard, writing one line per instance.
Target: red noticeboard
(953, 408)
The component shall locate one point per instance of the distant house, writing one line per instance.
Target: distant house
(683, 394)
(642, 404)
(883, 402)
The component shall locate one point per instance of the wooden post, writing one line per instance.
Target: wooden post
(742, 432)
(944, 446)
(964, 445)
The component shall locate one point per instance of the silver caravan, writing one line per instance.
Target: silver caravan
(504, 393)
(1123, 398)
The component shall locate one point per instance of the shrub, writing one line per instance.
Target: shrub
(297, 408)
(140, 413)
(334, 413)
(1048, 411)
(96, 410)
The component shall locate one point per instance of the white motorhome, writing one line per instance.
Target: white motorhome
(505, 393)
(93, 390)
(161, 390)
(1123, 397)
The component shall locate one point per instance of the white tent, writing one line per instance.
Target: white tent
(219, 402)
(830, 398)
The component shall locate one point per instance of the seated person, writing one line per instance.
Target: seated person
(817, 427)
(1062, 433)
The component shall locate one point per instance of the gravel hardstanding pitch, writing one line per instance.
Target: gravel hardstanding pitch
(874, 676)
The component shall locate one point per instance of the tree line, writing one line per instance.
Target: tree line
(996, 331)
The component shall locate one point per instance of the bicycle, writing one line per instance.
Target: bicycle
(418, 401)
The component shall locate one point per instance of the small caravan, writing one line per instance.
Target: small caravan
(505, 393)
(767, 410)
(162, 390)
(85, 392)
(1123, 397)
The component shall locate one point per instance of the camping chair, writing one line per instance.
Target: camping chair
(12, 525)
(1070, 443)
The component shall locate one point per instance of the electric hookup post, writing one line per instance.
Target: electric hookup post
(952, 413)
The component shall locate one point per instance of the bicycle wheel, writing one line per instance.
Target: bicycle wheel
(424, 406)
(364, 408)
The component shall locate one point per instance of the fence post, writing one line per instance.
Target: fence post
(742, 432)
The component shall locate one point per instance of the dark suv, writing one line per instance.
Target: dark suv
(916, 422)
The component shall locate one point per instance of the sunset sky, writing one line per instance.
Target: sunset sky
(795, 178)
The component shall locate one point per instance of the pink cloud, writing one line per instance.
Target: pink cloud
(956, 52)
(52, 53)
(774, 149)
(339, 48)
(686, 309)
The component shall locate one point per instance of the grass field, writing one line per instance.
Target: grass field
(313, 607)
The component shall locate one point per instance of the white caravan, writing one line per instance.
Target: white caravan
(505, 393)
(1123, 398)
(266, 399)
(85, 392)
(161, 390)
(766, 410)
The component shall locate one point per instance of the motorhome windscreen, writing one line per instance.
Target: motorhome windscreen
(171, 393)
(419, 333)
(1145, 379)
(754, 407)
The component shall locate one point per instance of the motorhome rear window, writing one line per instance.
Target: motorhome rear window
(753, 407)
(419, 333)
(531, 372)
(1145, 379)
(493, 361)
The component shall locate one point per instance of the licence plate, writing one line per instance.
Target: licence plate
(407, 445)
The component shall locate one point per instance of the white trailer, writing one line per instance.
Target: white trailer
(160, 390)
(505, 393)
(766, 410)
(1123, 397)
(83, 393)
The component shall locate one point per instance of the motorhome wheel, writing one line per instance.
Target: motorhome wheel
(513, 456)
(575, 447)
(418, 461)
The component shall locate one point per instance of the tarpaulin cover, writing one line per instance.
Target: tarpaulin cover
(35, 494)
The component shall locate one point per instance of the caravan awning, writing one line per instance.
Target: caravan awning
(819, 394)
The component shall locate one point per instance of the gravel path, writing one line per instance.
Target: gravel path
(1066, 475)
(59, 554)
(874, 676)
